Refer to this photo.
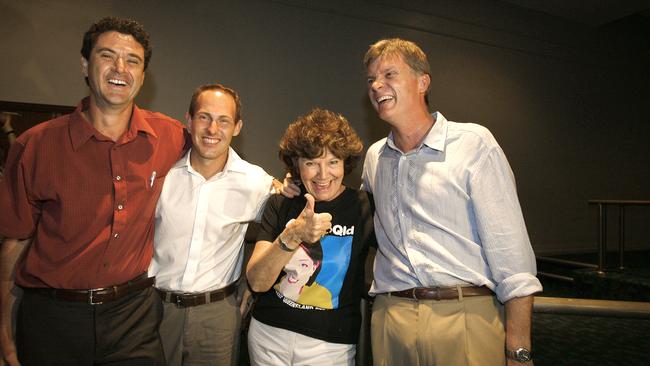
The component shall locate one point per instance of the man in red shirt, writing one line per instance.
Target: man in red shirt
(84, 187)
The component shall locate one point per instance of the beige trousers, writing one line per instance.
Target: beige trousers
(467, 331)
(202, 335)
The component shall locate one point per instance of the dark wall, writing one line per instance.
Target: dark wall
(568, 103)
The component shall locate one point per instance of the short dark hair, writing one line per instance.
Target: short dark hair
(309, 135)
(124, 26)
(215, 86)
(315, 252)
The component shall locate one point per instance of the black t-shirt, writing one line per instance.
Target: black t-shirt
(319, 291)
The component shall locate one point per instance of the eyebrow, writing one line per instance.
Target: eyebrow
(130, 54)
(215, 117)
(384, 70)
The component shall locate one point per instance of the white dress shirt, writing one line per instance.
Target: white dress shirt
(200, 224)
(447, 213)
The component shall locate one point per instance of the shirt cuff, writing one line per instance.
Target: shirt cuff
(518, 285)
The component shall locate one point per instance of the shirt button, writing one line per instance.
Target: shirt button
(116, 235)
(118, 178)
(120, 207)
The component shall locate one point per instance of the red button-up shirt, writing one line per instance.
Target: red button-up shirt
(87, 201)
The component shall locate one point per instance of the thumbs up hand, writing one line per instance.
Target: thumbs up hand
(309, 227)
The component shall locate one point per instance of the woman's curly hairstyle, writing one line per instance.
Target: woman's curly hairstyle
(309, 135)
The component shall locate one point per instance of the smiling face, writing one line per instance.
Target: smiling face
(212, 128)
(395, 90)
(323, 176)
(115, 70)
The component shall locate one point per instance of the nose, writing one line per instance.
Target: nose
(376, 84)
(213, 127)
(321, 171)
(119, 64)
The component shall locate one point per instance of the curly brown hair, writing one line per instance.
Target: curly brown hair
(309, 135)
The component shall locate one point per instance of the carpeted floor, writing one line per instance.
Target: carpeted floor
(585, 340)
(590, 341)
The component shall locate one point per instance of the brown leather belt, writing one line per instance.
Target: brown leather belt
(184, 300)
(441, 293)
(98, 296)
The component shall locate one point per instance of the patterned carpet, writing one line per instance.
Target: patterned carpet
(590, 341)
(586, 340)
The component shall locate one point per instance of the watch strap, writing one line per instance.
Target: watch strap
(284, 245)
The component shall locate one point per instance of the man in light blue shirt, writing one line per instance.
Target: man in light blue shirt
(455, 271)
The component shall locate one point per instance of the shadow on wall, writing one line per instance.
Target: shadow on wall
(376, 129)
(149, 91)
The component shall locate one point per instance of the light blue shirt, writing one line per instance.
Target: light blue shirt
(447, 213)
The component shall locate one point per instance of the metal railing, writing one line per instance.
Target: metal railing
(564, 262)
(602, 228)
(589, 307)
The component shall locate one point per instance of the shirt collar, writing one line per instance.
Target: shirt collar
(81, 130)
(435, 138)
(437, 135)
(234, 163)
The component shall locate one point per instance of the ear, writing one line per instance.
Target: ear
(238, 127)
(188, 118)
(84, 66)
(424, 81)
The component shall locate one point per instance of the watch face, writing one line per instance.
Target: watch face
(522, 355)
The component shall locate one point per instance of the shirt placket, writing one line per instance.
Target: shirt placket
(401, 199)
(196, 243)
(405, 200)
(118, 171)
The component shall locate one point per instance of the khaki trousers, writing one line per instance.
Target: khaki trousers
(467, 331)
(202, 335)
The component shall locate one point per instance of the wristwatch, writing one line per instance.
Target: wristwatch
(284, 245)
(521, 354)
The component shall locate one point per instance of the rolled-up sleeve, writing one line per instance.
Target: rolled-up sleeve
(502, 229)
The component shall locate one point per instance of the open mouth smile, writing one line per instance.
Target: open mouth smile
(384, 98)
(117, 82)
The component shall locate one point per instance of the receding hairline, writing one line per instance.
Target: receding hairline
(220, 91)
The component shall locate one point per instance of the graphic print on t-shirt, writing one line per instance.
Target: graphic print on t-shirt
(314, 275)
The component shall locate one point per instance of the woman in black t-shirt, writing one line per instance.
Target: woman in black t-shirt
(308, 263)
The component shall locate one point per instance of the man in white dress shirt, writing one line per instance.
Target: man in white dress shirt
(208, 199)
(454, 274)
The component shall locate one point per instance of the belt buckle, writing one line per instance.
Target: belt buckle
(179, 301)
(413, 294)
(91, 300)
